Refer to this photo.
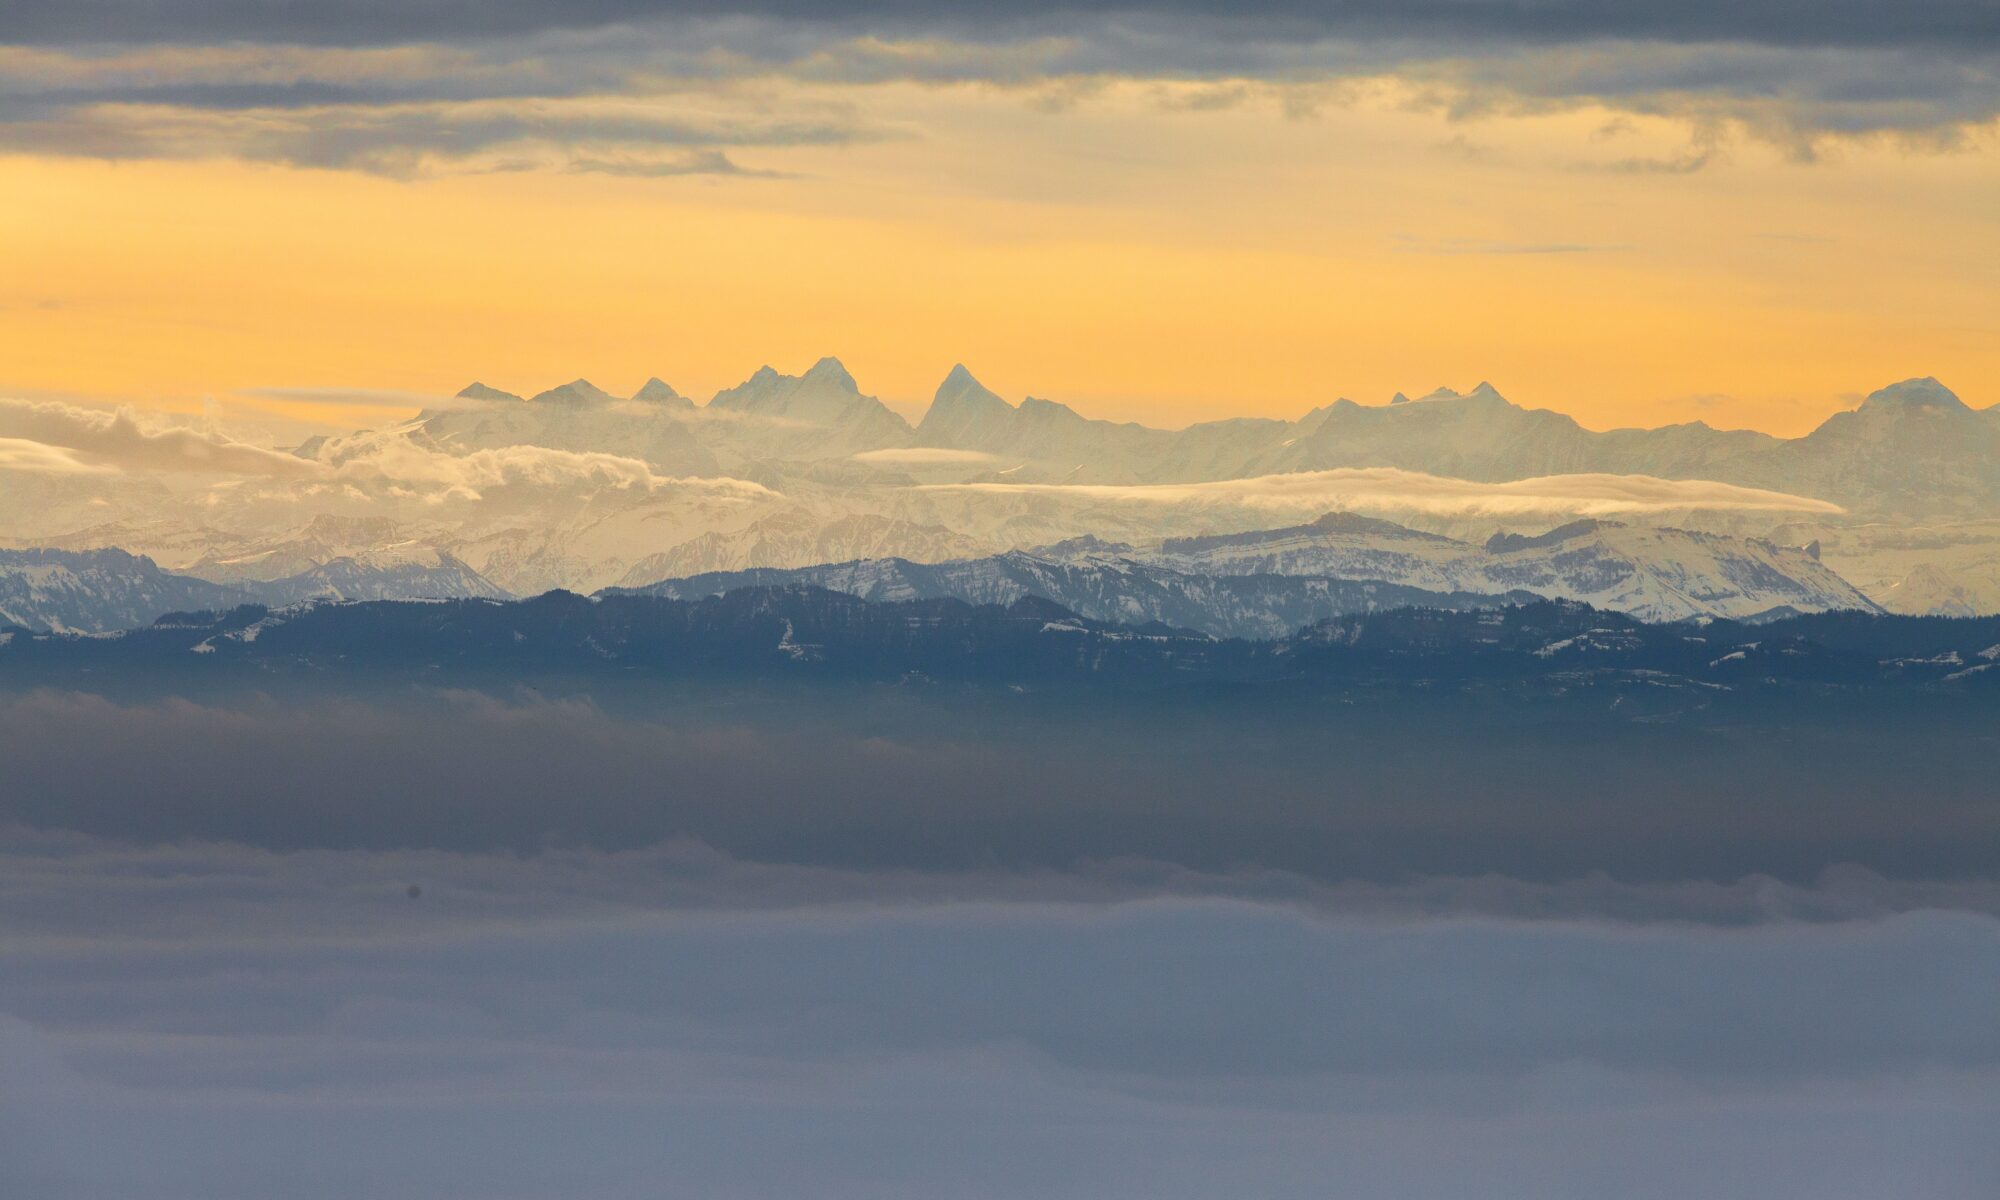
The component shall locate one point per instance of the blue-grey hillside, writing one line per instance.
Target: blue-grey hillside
(1267, 583)
(99, 591)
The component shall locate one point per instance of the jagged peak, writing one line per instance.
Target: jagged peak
(1924, 392)
(1482, 391)
(659, 391)
(831, 370)
(961, 395)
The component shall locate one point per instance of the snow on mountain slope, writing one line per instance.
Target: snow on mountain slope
(321, 540)
(1654, 574)
(1935, 592)
(96, 591)
(1046, 439)
(1102, 588)
(820, 414)
(408, 572)
(653, 426)
(798, 537)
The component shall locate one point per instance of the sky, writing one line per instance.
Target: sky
(1167, 211)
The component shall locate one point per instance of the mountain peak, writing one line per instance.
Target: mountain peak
(961, 405)
(1922, 393)
(1399, 398)
(659, 391)
(479, 391)
(830, 370)
(576, 391)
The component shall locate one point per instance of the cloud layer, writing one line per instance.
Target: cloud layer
(630, 87)
(1393, 490)
(197, 1020)
(96, 439)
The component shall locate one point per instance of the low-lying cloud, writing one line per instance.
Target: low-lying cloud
(192, 1020)
(52, 438)
(396, 462)
(100, 439)
(1393, 490)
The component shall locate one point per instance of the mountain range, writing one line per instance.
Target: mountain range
(1268, 583)
(100, 591)
(1910, 449)
(491, 493)
(1554, 652)
(1260, 584)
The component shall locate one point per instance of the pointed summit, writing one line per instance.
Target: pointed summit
(1924, 393)
(1399, 398)
(963, 409)
(658, 391)
(479, 391)
(829, 370)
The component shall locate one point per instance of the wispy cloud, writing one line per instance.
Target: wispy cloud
(117, 440)
(1390, 490)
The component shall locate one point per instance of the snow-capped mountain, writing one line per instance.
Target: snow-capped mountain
(98, 591)
(580, 489)
(94, 591)
(1654, 574)
(291, 552)
(652, 426)
(820, 414)
(1268, 583)
(1101, 587)
(799, 538)
(410, 572)
(1047, 439)
(1934, 591)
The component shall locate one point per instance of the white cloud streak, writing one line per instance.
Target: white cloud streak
(118, 440)
(21, 454)
(1392, 490)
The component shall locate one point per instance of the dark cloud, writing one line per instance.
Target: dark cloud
(112, 74)
(408, 140)
(376, 22)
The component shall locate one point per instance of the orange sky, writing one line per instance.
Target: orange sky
(1126, 256)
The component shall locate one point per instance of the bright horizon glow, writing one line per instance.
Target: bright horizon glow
(1132, 256)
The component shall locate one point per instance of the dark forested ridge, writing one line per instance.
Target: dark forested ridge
(806, 633)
